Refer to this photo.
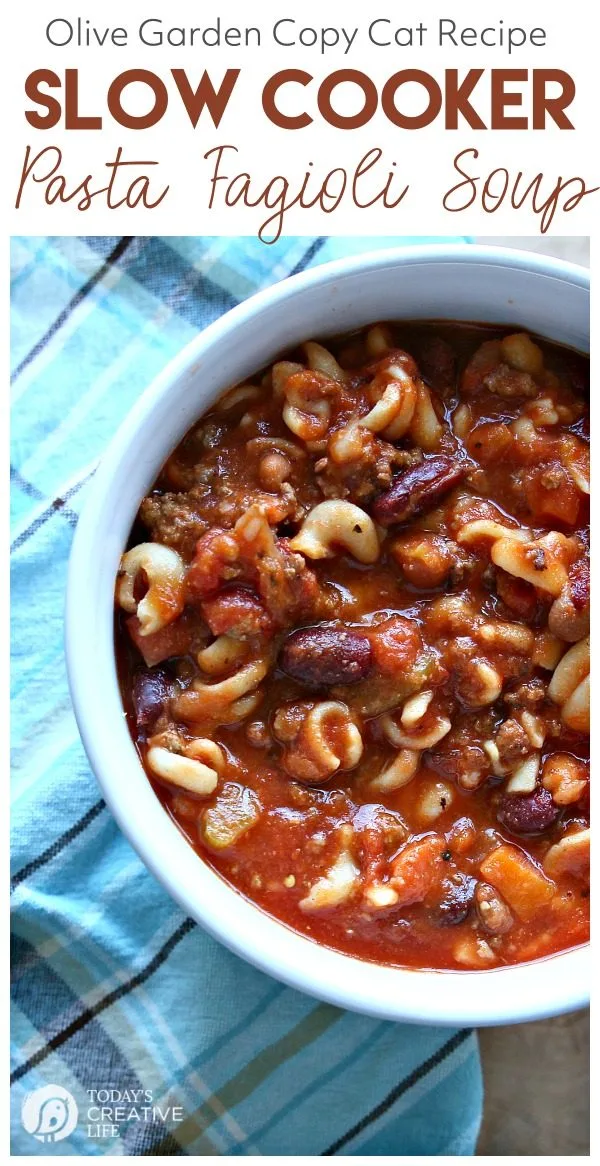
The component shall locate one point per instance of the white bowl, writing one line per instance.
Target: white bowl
(455, 281)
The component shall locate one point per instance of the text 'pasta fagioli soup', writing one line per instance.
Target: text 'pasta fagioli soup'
(352, 631)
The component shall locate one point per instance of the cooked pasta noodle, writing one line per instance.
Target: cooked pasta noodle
(354, 648)
(319, 359)
(196, 769)
(164, 571)
(321, 739)
(337, 524)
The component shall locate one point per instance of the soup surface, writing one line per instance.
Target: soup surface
(352, 631)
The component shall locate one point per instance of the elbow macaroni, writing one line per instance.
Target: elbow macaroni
(522, 354)
(323, 741)
(391, 415)
(226, 692)
(430, 734)
(576, 456)
(542, 562)
(320, 359)
(398, 773)
(378, 340)
(425, 427)
(196, 769)
(164, 570)
(240, 395)
(570, 687)
(227, 701)
(306, 414)
(335, 887)
(337, 523)
(487, 528)
(224, 653)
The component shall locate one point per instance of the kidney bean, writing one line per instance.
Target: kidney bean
(322, 656)
(527, 813)
(150, 693)
(417, 489)
(437, 362)
(457, 902)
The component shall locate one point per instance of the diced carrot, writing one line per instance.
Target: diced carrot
(519, 881)
(417, 869)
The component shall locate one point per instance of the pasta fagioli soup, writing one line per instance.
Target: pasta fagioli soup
(353, 641)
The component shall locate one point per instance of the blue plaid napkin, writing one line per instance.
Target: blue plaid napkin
(133, 1031)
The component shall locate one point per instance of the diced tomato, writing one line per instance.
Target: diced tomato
(236, 612)
(487, 356)
(216, 558)
(417, 869)
(394, 357)
(517, 594)
(552, 494)
(174, 640)
(489, 442)
(396, 643)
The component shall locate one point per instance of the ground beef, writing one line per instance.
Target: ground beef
(529, 695)
(553, 477)
(285, 586)
(512, 742)
(363, 480)
(569, 616)
(173, 519)
(507, 382)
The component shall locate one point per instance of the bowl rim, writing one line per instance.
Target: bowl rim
(453, 998)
